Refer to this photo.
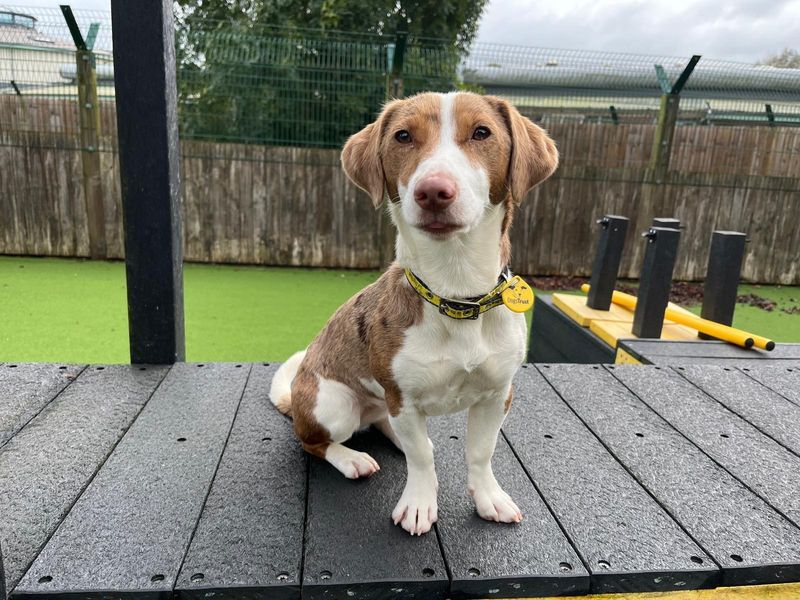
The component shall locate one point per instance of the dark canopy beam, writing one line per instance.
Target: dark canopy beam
(146, 94)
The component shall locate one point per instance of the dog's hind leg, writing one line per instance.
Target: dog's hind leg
(327, 413)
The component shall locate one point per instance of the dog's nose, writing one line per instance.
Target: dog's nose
(435, 192)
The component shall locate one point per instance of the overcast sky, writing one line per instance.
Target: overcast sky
(746, 30)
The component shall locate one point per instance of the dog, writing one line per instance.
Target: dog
(454, 168)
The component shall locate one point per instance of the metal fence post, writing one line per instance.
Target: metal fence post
(149, 158)
(398, 58)
(606, 261)
(89, 119)
(722, 277)
(655, 281)
(667, 117)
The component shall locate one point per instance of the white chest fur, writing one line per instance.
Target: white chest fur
(445, 366)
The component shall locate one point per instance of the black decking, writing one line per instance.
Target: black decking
(122, 481)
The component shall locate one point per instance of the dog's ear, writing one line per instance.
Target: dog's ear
(534, 156)
(361, 157)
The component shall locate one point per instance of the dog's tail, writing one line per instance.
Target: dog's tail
(280, 392)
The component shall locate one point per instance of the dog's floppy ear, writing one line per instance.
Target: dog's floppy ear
(361, 157)
(534, 156)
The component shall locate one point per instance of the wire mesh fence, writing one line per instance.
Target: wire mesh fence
(253, 83)
(263, 109)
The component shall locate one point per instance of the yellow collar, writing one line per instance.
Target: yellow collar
(469, 308)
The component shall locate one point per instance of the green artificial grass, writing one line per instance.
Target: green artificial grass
(777, 325)
(60, 310)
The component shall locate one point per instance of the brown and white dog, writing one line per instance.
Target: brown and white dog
(454, 167)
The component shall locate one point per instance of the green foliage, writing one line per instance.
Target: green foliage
(243, 77)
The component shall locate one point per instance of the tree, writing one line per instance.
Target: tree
(308, 72)
(785, 59)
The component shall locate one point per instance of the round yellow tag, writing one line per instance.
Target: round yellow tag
(518, 297)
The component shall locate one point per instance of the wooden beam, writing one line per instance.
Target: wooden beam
(665, 131)
(89, 117)
(667, 117)
(89, 120)
(147, 124)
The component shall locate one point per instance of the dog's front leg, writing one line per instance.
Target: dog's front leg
(417, 509)
(483, 426)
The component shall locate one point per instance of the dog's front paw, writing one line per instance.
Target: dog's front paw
(493, 504)
(417, 510)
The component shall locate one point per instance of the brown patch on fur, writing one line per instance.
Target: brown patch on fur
(493, 153)
(376, 161)
(505, 239)
(314, 436)
(399, 307)
(534, 156)
(507, 405)
(360, 341)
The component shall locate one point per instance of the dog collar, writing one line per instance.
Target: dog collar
(467, 308)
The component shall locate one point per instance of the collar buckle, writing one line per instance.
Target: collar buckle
(458, 309)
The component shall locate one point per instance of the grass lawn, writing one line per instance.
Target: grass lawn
(59, 310)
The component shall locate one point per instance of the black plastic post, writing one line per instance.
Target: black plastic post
(722, 277)
(147, 124)
(666, 222)
(606, 261)
(655, 281)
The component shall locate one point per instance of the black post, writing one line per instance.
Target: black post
(606, 261)
(722, 277)
(147, 124)
(655, 281)
(666, 222)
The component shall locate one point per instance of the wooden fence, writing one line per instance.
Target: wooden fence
(290, 206)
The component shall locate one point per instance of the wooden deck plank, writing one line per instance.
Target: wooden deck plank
(784, 380)
(25, 389)
(44, 468)
(771, 412)
(758, 461)
(626, 540)
(748, 539)
(531, 558)
(249, 540)
(353, 550)
(129, 531)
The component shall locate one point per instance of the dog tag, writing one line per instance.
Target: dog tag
(518, 296)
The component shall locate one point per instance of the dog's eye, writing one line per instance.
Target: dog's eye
(402, 136)
(481, 133)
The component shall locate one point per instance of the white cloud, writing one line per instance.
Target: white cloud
(745, 30)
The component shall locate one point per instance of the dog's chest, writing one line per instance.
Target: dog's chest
(445, 365)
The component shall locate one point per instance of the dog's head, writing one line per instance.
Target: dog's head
(446, 158)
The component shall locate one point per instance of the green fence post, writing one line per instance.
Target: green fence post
(89, 119)
(667, 117)
(398, 58)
